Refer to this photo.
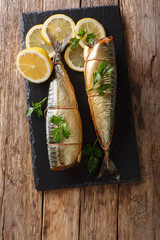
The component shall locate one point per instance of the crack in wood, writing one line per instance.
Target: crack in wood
(42, 215)
(82, 200)
(153, 151)
(79, 220)
(117, 210)
(153, 59)
(2, 203)
(3, 223)
(3, 226)
(3, 193)
(152, 63)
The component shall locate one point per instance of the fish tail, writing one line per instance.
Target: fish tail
(58, 46)
(108, 167)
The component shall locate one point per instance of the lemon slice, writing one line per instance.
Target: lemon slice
(74, 58)
(35, 39)
(34, 64)
(61, 25)
(91, 26)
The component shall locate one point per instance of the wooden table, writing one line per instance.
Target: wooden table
(126, 211)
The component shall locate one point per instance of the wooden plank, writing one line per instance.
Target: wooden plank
(91, 3)
(61, 4)
(61, 214)
(20, 203)
(98, 204)
(99, 213)
(61, 208)
(139, 204)
(20, 6)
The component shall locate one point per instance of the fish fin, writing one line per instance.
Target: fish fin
(108, 168)
(58, 46)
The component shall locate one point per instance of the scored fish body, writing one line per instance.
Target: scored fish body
(62, 101)
(101, 107)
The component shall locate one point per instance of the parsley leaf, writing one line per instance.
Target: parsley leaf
(98, 83)
(92, 163)
(101, 93)
(29, 111)
(104, 86)
(87, 150)
(57, 120)
(81, 33)
(37, 107)
(103, 67)
(109, 71)
(96, 77)
(57, 134)
(90, 38)
(66, 130)
(92, 156)
(61, 129)
(39, 112)
(97, 153)
(74, 42)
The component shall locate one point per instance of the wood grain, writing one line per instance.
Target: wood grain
(99, 213)
(20, 203)
(91, 3)
(139, 204)
(61, 214)
(60, 4)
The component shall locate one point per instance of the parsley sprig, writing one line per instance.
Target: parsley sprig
(37, 107)
(61, 129)
(98, 83)
(89, 39)
(93, 154)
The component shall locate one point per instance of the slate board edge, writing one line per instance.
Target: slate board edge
(69, 9)
(30, 122)
(88, 184)
(130, 102)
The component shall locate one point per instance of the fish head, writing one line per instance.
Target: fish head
(101, 48)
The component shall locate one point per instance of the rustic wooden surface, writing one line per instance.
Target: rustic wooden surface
(128, 211)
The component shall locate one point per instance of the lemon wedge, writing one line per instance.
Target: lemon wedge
(35, 39)
(74, 58)
(60, 25)
(91, 26)
(34, 64)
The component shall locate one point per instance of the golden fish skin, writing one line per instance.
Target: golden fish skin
(101, 107)
(61, 95)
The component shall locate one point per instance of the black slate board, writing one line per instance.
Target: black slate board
(123, 147)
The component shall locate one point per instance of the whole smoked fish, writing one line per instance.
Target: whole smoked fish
(102, 107)
(62, 102)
